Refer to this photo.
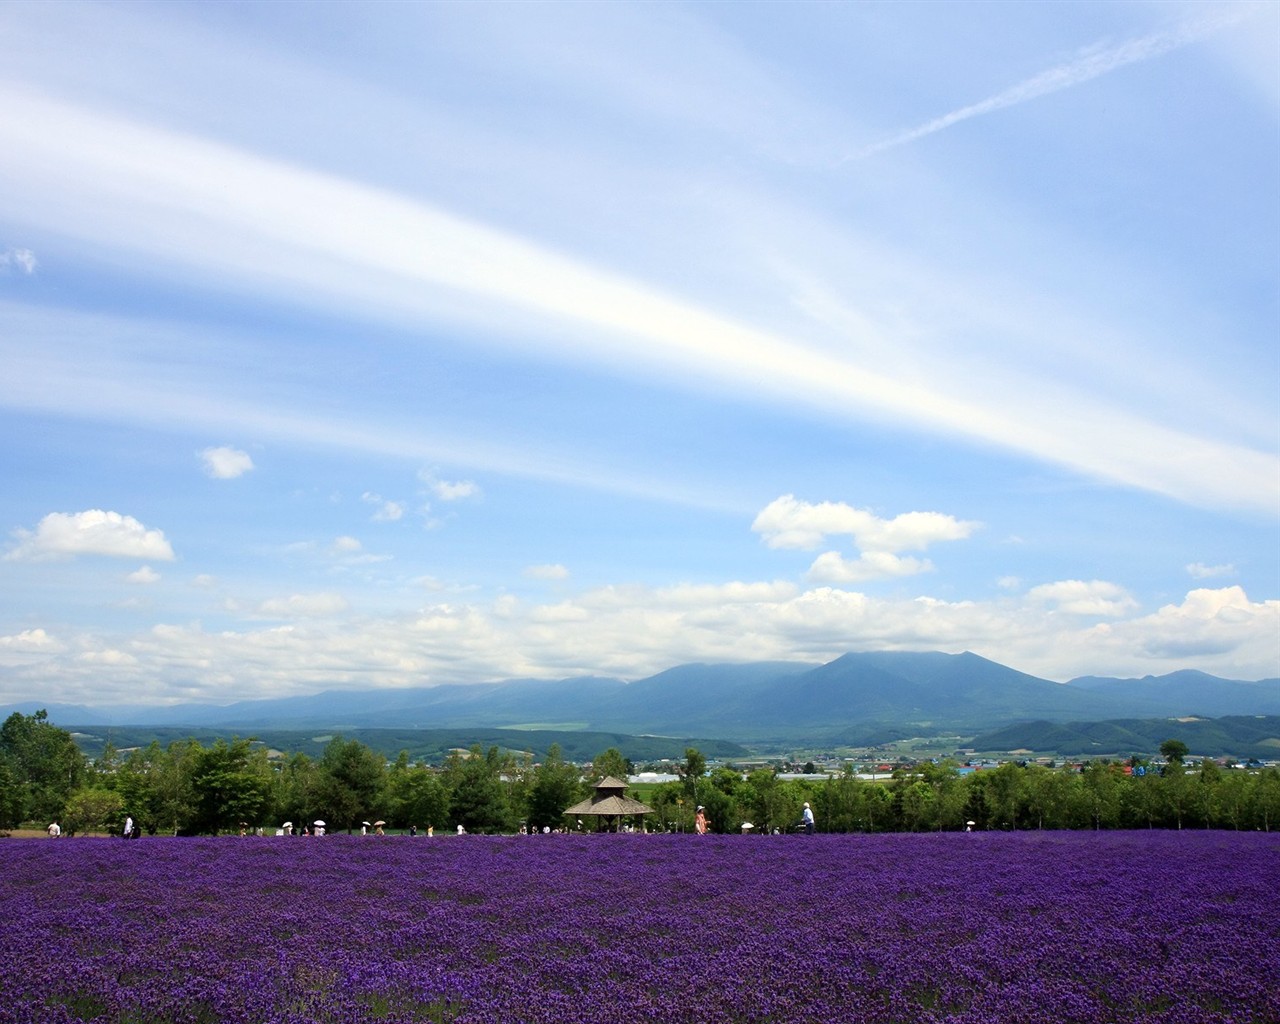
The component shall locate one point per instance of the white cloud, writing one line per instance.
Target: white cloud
(225, 463)
(634, 631)
(30, 641)
(110, 656)
(23, 260)
(1216, 628)
(303, 606)
(1200, 571)
(387, 511)
(349, 551)
(833, 567)
(143, 575)
(546, 572)
(447, 490)
(93, 532)
(789, 523)
(1078, 597)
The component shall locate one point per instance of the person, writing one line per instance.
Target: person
(413, 830)
(55, 830)
(700, 821)
(807, 818)
(128, 827)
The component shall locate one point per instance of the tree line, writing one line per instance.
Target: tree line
(187, 788)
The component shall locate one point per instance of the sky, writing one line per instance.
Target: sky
(388, 345)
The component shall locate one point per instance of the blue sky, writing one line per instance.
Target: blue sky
(390, 344)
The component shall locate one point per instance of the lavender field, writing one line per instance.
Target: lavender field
(992, 927)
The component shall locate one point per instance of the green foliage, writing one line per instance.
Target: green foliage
(92, 809)
(230, 783)
(188, 787)
(611, 762)
(691, 772)
(554, 786)
(478, 798)
(349, 783)
(42, 767)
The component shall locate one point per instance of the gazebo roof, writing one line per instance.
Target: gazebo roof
(610, 806)
(610, 801)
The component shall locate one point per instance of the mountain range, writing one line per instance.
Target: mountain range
(914, 693)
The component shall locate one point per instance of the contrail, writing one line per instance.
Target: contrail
(1064, 76)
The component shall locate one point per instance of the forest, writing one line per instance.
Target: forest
(236, 785)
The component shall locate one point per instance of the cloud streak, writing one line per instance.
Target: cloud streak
(1086, 68)
(256, 225)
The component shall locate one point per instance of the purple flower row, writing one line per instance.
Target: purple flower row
(1096, 928)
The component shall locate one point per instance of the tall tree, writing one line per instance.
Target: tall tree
(477, 797)
(44, 767)
(231, 784)
(555, 784)
(691, 772)
(349, 783)
(611, 762)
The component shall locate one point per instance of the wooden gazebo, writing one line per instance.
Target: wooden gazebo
(610, 805)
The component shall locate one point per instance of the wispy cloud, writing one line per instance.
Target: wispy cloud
(380, 256)
(1200, 571)
(21, 260)
(545, 572)
(1093, 64)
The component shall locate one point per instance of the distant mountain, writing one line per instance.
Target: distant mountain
(1197, 693)
(883, 693)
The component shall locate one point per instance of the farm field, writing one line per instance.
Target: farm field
(981, 928)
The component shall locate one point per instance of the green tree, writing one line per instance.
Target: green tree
(1266, 799)
(44, 767)
(1005, 794)
(1175, 788)
(295, 781)
(1204, 791)
(171, 789)
(1232, 799)
(349, 783)
(1173, 750)
(876, 806)
(231, 784)
(917, 805)
(11, 802)
(1102, 794)
(555, 784)
(92, 809)
(611, 762)
(426, 800)
(1049, 796)
(691, 772)
(1142, 800)
(477, 797)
